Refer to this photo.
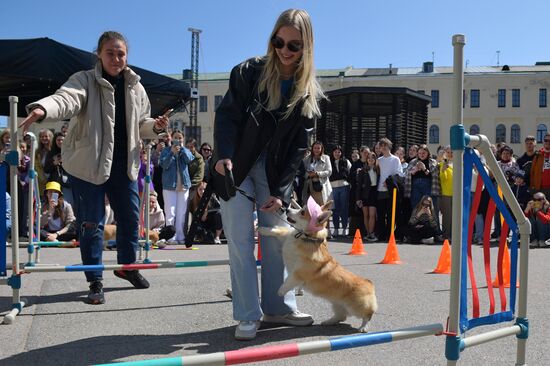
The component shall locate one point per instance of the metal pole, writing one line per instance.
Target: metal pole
(30, 203)
(15, 280)
(490, 336)
(146, 193)
(458, 150)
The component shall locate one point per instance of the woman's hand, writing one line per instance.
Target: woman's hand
(220, 166)
(161, 122)
(176, 149)
(273, 204)
(35, 115)
(359, 203)
(51, 237)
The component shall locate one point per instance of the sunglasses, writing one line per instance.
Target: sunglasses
(293, 46)
(546, 140)
(206, 149)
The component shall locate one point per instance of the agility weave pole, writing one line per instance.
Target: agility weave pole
(291, 350)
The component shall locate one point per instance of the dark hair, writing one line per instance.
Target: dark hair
(337, 147)
(386, 141)
(107, 36)
(206, 144)
(191, 141)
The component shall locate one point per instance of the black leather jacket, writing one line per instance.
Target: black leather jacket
(243, 128)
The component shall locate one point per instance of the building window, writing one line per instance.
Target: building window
(474, 130)
(474, 98)
(541, 131)
(203, 103)
(434, 134)
(501, 133)
(515, 134)
(217, 101)
(542, 98)
(502, 98)
(194, 132)
(515, 98)
(435, 98)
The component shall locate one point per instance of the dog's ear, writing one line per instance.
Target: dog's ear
(327, 206)
(323, 218)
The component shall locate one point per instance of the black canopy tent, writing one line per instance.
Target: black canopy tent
(34, 68)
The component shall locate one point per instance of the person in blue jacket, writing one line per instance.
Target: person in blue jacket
(176, 182)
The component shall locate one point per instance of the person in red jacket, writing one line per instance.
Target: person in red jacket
(538, 212)
(540, 169)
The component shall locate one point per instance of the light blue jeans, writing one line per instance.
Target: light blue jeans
(237, 218)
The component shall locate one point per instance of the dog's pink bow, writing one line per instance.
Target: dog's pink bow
(314, 211)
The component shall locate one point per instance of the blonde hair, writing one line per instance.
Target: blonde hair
(306, 86)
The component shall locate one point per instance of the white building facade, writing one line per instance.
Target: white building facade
(504, 103)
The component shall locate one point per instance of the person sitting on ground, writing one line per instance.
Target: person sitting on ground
(157, 221)
(423, 224)
(57, 219)
(210, 226)
(538, 212)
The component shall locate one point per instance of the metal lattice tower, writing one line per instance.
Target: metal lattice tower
(194, 81)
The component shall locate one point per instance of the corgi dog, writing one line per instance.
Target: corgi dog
(310, 265)
(109, 233)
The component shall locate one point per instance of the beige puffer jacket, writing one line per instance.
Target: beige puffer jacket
(89, 101)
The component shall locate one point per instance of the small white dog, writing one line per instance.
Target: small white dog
(310, 265)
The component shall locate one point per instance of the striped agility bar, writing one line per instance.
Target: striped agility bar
(127, 267)
(290, 350)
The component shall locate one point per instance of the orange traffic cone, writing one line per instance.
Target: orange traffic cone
(357, 247)
(505, 270)
(259, 256)
(444, 263)
(392, 255)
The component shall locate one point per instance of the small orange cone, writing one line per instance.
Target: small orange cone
(444, 263)
(392, 255)
(357, 247)
(505, 270)
(259, 256)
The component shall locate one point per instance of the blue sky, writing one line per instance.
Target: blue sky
(367, 33)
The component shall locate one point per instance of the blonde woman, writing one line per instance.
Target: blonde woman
(261, 135)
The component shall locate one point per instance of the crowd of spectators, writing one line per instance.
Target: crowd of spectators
(360, 187)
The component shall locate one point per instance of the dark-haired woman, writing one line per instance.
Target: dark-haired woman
(109, 112)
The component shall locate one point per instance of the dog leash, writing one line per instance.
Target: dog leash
(231, 188)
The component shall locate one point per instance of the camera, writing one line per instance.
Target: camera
(176, 143)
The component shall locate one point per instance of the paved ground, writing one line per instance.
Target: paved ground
(184, 313)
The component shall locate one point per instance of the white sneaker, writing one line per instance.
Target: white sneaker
(295, 318)
(161, 243)
(246, 330)
(217, 241)
(547, 243)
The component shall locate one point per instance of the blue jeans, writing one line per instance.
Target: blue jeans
(89, 205)
(341, 206)
(419, 188)
(237, 218)
(539, 231)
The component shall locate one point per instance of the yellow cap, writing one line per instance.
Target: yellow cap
(53, 186)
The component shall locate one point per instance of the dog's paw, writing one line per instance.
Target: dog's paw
(364, 329)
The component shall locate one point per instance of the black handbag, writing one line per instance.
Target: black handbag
(317, 186)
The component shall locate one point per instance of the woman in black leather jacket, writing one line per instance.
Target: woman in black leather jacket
(261, 135)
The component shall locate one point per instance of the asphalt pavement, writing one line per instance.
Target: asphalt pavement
(185, 312)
